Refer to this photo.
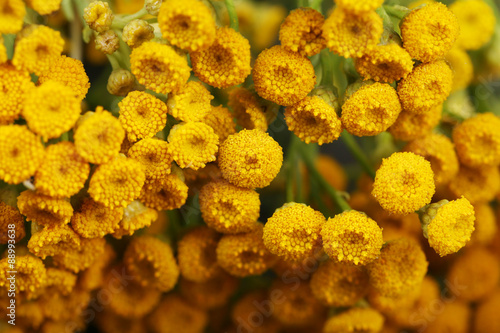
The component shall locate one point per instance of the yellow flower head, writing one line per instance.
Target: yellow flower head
(44, 7)
(352, 35)
(282, 76)
(187, 24)
(400, 268)
(69, 72)
(244, 254)
(313, 120)
(81, 258)
(191, 103)
(352, 237)
(429, 32)
(243, 312)
(485, 318)
(95, 220)
(221, 121)
(15, 84)
(477, 140)
(226, 62)
(60, 280)
(250, 158)
(485, 226)
(44, 210)
(476, 184)
(154, 155)
(193, 144)
(151, 262)
(196, 254)
(50, 241)
(11, 16)
(10, 216)
(99, 136)
(248, 111)
(31, 276)
(137, 32)
(117, 183)
(38, 50)
(167, 193)
(385, 63)
(461, 65)
(159, 67)
(3, 51)
(359, 7)
(410, 126)
(211, 294)
(440, 152)
(21, 153)
(293, 232)
(371, 109)
(404, 183)
(335, 284)
(365, 320)
(135, 217)
(301, 32)
(427, 86)
(228, 208)
(477, 23)
(98, 16)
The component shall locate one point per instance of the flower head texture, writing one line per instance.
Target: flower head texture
(301, 32)
(15, 84)
(210, 294)
(80, 258)
(191, 103)
(355, 320)
(95, 220)
(169, 192)
(135, 216)
(50, 241)
(476, 184)
(461, 65)
(31, 276)
(154, 155)
(98, 16)
(221, 121)
(409, 126)
(247, 109)
(477, 23)
(11, 16)
(10, 216)
(44, 210)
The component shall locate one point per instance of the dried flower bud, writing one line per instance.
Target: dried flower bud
(137, 32)
(98, 16)
(120, 82)
(153, 6)
(107, 42)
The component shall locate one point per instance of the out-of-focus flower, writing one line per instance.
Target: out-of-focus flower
(477, 23)
(476, 184)
(10, 216)
(242, 313)
(355, 319)
(44, 7)
(44, 210)
(191, 103)
(137, 32)
(210, 294)
(98, 16)
(409, 126)
(461, 65)
(95, 220)
(485, 226)
(358, 7)
(385, 63)
(81, 258)
(11, 16)
(486, 318)
(301, 32)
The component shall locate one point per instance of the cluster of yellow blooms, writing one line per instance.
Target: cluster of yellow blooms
(179, 211)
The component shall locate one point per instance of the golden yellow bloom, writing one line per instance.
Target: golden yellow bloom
(461, 65)
(21, 153)
(221, 121)
(243, 313)
(453, 317)
(250, 158)
(10, 216)
(477, 140)
(365, 320)
(154, 155)
(301, 32)
(371, 109)
(313, 120)
(486, 317)
(60, 280)
(99, 136)
(359, 6)
(167, 193)
(117, 183)
(335, 284)
(404, 183)
(187, 24)
(159, 67)
(69, 72)
(127, 6)
(31, 276)
(293, 232)
(95, 220)
(191, 103)
(14, 85)
(282, 76)
(485, 226)
(38, 50)
(51, 241)
(98, 16)
(427, 86)
(44, 7)
(385, 63)
(211, 294)
(352, 35)
(477, 23)
(476, 184)
(3, 51)
(265, 23)
(429, 32)
(226, 62)
(135, 217)
(11, 16)
(440, 152)
(410, 126)
(81, 258)
(196, 254)
(248, 111)
(400, 268)
(137, 32)
(193, 144)
(44, 210)
(244, 254)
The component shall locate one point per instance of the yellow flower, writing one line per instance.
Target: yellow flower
(44, 210)
(226, 62)
(404, 183)
(10, 216)
(301, 32)
(427, 86)
(21, 153)
(135, 217)
(477, 23)
(248, 111)
(211, 294)
(265, 23)
(11, 16)
(244, 310)
(429, 32)
(44, 7)
(187, 24)
(167, 193)
(313, 120)
(98, 16)
(193, 144)
(221, 121)
(293, 232)
(159, 67)
(154, 155)
(400, 268)
(485, 226)
(358, 7)
(117, 183)
(3, 51)
(371, 109)
(60, 280)
(49, 241)
(38, 50)
(335, 284)
(191, 103)
(409, 126)
(352, 35)
(485, 318)
(15, 84)
(250, 158)
(69, 72)
(283, 77)
(81, 258)
(137, 32)
(196, 254)
(477, 140)
(461, 65)
(95, 220)
(364, 320)
(31, 276)
(440, 152)
(99, 136)
(385, 63)
(476, 184)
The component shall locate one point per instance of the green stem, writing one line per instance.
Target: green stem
(358, 153)
(396, 11)
(327, 68)
(233, 16)
(291, 169)
(316, 4)
(113, 61)
(301, 3)
(121, 22)
(339, 76)
(385, 17)
(76, 38)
